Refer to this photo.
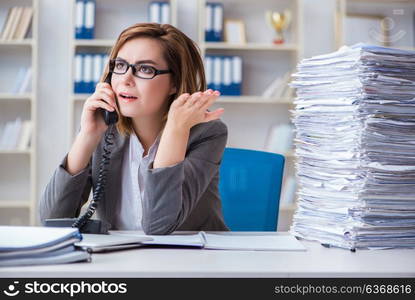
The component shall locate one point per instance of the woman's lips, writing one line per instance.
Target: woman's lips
(127, 99)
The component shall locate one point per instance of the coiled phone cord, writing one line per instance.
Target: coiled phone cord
(101, 181)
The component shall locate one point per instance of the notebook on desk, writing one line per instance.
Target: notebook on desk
(214, 241)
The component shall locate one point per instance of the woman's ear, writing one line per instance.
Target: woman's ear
(173, 90)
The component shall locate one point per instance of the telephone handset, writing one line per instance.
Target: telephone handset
(110, 117)
(84, 222)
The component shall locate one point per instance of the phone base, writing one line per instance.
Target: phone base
(91, 226)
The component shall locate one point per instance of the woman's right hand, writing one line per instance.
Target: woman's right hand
(92, 122)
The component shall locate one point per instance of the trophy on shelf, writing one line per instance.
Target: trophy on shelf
(279, 21)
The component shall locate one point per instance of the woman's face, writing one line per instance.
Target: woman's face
(150, 94)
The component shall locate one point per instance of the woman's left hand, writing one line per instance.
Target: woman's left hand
(188, 110)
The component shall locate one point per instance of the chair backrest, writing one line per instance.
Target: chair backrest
(250, 187)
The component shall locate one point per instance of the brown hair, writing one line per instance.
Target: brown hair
(181, 54)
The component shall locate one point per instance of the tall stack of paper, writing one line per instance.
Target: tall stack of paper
(355, 127)
(25, 245)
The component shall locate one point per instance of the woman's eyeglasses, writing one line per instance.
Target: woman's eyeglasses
(119, 66)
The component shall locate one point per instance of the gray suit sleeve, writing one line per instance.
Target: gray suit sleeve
(172, 192)
(65, 194)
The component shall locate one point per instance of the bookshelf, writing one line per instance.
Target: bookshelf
(372, 15)
(105, 13)
(18, 185)
(250, 133)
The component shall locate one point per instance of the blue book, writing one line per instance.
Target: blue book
(165, 12)
(89, 21)
(208, 71)
(97, 69)
(218, 22)
(78, 84)
(209, 23)
(87, 78)
(154, 12)
(236, 76)
(79, 18)
(227, 76)
(217, 72)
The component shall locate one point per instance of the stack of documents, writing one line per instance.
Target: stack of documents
(355, 146)
(23, 245)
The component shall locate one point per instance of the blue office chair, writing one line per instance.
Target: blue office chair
(250, 188)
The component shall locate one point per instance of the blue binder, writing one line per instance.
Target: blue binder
(208, 71)
(154, 12)
(217, 73)
(209, 23)
(78, 86)
(227, 76)
(214, 22)
(236, 85)
(218, 22)
(159, 12)
(79, 18)
(89, 19)
(97, 69)
(87, 79)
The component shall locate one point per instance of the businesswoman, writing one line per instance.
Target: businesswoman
(164, 167)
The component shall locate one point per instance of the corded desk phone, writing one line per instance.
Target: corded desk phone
(84, 222)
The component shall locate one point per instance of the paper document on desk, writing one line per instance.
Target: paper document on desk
(227, 241)
(252, 242)
(110, 242)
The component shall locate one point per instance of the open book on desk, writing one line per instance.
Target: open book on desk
(214, 241)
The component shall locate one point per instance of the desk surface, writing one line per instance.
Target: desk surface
(317, 261)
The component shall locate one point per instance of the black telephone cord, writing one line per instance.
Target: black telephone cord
(101, 182)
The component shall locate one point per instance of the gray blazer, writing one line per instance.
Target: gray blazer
(180, 197)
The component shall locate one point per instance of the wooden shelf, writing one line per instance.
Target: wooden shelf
(28, 151)
(19, 97)
(14, 204)
(80, 97)
(25, 42)
(93, 42)
(249, 46)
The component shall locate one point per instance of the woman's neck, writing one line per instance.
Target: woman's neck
(147, 131)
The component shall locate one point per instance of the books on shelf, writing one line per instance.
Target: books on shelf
(25, 245)
(355, 122)
(88, 70)
(279, 88)
(224, 73)
(16, 135)
(280, 139)
(23, 81)
(85, 19)
(17, 23)
(159, 12)
(214, 22)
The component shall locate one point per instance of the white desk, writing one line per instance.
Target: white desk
(317, 261)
